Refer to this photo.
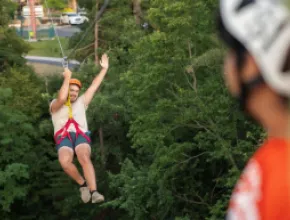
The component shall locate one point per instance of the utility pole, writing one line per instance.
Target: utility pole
(73, 4)
(32, 19)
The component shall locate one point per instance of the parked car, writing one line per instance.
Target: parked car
(72, 18)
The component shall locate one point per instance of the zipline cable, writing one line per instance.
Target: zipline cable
(98, 16)
(65, 61)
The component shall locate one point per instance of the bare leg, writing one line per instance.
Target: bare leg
(83, 152)
(65, 157)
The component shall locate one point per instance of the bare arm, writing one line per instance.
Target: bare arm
(63, 92)
(90, 92)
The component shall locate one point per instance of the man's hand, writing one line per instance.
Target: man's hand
(105, 61)
(63, 92)
(67, 73)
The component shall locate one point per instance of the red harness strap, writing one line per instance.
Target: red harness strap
(64, 132)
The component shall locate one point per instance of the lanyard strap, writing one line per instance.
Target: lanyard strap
(68, 104)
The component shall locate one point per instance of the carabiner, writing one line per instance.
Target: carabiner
(65, 62)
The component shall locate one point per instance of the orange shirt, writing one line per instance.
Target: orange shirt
(263, 190)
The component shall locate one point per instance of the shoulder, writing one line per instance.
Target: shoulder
(51, 102)
(273, 158)
(82, 101)
(272, 151)
(272, 154)
(56, 106)
(264, 175)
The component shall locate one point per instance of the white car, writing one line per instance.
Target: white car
(72, 18)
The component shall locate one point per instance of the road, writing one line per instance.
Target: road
(51, 60)
(63, 31)
(67, 30)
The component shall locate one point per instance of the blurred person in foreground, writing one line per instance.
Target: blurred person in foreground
(257, 73)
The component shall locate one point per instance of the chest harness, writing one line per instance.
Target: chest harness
(63, 132)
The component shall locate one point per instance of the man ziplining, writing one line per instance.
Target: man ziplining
(68, 113)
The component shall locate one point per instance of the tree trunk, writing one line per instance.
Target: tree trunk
(96, 36)
(102, 148)
(137, 10)
(101, 137)
(96, 43)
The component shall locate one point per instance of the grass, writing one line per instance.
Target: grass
(48, 48)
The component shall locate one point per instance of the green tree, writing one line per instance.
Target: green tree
(188, 151)
(57, 5)
(174, 141)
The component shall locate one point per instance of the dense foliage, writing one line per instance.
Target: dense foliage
(174, 140)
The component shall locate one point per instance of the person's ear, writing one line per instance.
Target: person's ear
(231, 73)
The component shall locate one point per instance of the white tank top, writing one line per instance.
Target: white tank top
(60, 117)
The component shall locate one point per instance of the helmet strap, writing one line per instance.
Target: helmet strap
(246, 88)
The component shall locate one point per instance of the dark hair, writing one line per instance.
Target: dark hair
(231, 41)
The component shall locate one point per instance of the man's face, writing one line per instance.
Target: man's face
(74, 92)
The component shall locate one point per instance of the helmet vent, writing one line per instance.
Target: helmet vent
(243, 4)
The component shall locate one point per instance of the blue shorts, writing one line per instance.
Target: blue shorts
(75, 142)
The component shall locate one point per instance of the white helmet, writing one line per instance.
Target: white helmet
(263, 28)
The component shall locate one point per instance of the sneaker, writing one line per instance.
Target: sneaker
(97, 197)
(85, 194)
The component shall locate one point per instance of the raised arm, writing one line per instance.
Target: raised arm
(89, 94)
(63, 92)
